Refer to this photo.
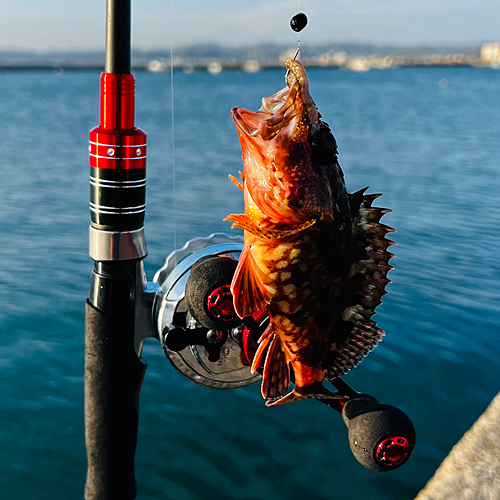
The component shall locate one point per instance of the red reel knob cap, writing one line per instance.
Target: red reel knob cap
(220, 304)
(393, 452)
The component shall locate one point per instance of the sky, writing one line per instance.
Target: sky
(80, 25)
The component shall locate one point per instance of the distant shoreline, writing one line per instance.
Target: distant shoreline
(358, 64)
(359, 57)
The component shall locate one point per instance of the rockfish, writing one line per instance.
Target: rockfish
(315, 255)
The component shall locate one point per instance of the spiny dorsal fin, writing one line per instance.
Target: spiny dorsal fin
(357, 333)
(373, 214)
(362, 340)
(368, 199)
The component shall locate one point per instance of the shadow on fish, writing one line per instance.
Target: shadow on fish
(315, 255)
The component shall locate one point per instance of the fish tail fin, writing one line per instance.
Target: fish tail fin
(276, 370)
(315, 390)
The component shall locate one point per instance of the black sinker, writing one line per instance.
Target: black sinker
(298, 21)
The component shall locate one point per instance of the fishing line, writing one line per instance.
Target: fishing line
(298, 23)
(174, 214)
(298, 33)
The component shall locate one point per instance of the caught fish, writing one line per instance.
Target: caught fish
(315, 255)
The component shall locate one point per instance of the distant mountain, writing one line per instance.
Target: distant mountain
(212, 51)
(30, 58)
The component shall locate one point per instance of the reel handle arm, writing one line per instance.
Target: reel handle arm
(177, 338)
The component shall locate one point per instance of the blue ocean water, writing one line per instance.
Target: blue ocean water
(434, 153)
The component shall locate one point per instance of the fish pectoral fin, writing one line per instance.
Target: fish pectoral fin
(276, 372)
(248, 287)
(314, 391)
(278, 233)
(271, 204)
(267, 232)
(234, 180)
(244, 222)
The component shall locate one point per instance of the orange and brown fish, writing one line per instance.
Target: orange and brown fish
(315, 255)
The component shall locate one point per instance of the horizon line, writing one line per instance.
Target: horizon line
(80, 49)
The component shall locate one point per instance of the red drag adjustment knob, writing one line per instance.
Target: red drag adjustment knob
(220, 304)
(393, 451)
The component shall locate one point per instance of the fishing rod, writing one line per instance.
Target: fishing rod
(113, 370)
(188, 306)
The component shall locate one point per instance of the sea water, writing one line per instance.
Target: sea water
(432, 149)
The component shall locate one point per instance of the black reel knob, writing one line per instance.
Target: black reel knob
(208, 292)
(381, 437)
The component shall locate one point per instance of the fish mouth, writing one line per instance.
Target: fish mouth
(280, 183)
(288, 113)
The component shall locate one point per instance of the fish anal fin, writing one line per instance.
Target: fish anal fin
(268, 332)
(276, 374)
(249, 291)
(260, 355)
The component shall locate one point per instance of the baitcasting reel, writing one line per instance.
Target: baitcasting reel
(189, 308)
(196, 323)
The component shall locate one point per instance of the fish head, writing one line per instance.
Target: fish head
(282, 178)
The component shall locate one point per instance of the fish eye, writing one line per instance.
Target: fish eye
(323, 145)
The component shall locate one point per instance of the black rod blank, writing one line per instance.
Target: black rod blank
(118, 22)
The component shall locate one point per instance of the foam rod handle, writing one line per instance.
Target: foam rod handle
(381, 437)
(113, 378)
